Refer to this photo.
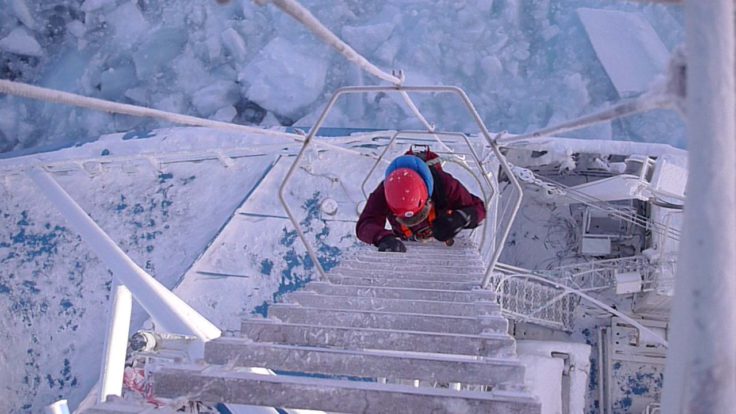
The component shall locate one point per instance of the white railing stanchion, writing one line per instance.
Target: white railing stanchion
(59, 407)
(116, 342)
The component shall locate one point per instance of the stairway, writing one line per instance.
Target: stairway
(386, 332)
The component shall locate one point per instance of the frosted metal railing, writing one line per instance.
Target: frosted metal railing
(601, 271)
(93, 165)
(605, 206)
(566, 290)
(437, 136)
(170, 312)
(531, 301)
(507, 215)
(615, 212)
(496, 252)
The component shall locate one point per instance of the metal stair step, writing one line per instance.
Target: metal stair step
(388, 320)
(240, 352)
(414, 260)
(461, 245)
(421, 249)
(417, 251)
(403, 283)
(123, 407)
(408, 274)
(489, 345)
(312, 299)
(459, 267)
(401, 293)
(216, 384)
(415, 257)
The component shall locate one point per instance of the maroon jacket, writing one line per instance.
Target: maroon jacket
(448, 194)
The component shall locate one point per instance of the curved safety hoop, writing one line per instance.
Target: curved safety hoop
(406, 89)
(437, 136)
(487, 196)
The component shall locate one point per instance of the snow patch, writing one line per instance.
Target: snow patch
(20, 41)
(158, 50)
(218, 95)
(366, 39)
(21, 11)
(285, 77)
(234, 44)
(128, 24)
(92, 5)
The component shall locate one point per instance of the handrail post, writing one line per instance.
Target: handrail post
(116, 341)
(59, 407)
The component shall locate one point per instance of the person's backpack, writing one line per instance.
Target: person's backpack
(421, 159)
(422, 151)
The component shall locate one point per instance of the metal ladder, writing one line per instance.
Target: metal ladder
(386, 332)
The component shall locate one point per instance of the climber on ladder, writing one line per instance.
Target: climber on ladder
(420, 201)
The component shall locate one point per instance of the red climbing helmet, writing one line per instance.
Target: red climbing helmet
(406, 192)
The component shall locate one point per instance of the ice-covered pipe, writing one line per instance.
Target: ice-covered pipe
(170, 312)
(700, 375)
(51, 95)
(66, 98)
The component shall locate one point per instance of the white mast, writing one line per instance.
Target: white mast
(700, 376)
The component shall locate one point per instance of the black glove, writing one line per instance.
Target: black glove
(449, 223)
(391, 244)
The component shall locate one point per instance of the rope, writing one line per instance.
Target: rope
(298, 12)
(430, 127)
(51, 95)
(641, 104)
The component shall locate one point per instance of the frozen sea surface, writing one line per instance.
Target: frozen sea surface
(526, 64)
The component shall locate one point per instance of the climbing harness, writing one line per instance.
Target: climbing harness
(419, 227)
